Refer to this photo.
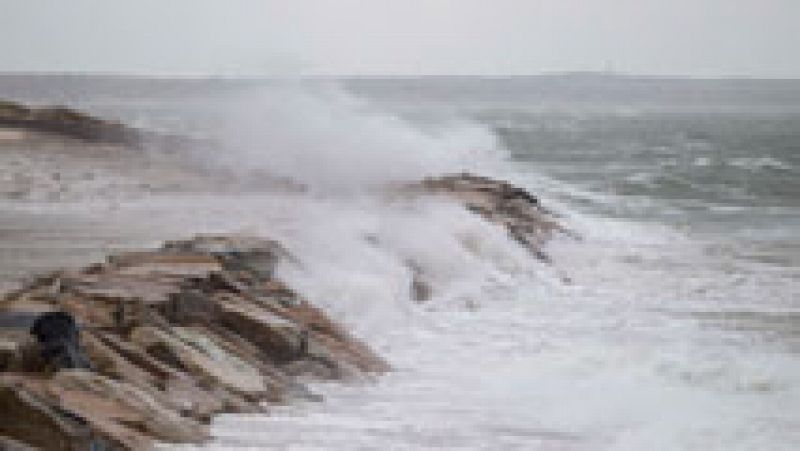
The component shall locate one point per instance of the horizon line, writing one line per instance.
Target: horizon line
(211, 76)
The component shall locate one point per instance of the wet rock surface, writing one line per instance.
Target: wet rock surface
(68, 123)
(149, 346)
(501, 203)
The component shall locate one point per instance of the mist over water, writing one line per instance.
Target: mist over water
(671, 324)
(327, 139)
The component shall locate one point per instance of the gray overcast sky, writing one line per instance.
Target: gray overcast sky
(247, 37)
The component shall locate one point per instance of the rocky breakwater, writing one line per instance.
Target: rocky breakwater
(63, 122)
(148, 346)
(501, 203)
(68, 123)
(496, 201)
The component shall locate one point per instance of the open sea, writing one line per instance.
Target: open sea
(672, 322)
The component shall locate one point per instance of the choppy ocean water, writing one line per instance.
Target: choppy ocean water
(679, 328)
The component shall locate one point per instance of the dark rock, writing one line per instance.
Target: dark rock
(421, 289)
(190, 306)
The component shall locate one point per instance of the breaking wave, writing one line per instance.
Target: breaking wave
(638, 333)
(607, 347)
(329, 140)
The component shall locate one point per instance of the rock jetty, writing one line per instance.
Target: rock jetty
(68, 123)
(501, 203)
(148, 346)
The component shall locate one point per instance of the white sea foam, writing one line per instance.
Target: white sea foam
(329, 140)
(756, 163)
(506, 355)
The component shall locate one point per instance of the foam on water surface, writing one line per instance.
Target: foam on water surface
(643, 334)
(507, 355)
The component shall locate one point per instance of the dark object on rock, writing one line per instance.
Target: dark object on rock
(57, 334)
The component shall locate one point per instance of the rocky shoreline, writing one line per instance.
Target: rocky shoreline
(67, 123)
(147, 347)
(62, 122)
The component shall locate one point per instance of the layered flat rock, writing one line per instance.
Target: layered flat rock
(498, 202)
(66, 122)
(148, 346)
